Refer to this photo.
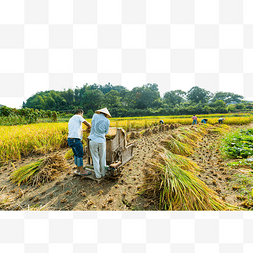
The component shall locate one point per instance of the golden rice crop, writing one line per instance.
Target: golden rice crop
(22, 140)
(140, 122)
(185, 116)
(18, 141)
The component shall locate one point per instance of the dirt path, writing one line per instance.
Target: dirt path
(70, 192)
(213, 169)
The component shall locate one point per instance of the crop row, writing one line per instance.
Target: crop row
(18, 141)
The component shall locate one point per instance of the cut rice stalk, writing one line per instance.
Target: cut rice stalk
(25, 173)
(69, 154)
(191, 134)
(180, 189)
(184, 139)
(177, 147)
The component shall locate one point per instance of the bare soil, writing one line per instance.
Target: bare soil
(70, 192)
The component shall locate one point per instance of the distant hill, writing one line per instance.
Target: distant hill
(1, 106)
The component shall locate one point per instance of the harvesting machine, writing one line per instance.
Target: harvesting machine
(118, 152)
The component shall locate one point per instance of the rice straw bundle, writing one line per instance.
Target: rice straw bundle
(179, 189)
(176, 146)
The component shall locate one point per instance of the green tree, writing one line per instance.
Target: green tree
(92, 99)
(197, 94)
(112, 99)
(175, 97)
(227, 97)
(240, 106)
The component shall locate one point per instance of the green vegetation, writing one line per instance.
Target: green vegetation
(140, 101)
(12, 116)
(238, 144)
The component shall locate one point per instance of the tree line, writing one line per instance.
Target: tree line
(140, 101)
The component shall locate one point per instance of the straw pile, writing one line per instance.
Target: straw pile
(42, 171)
(50, 169)
(111, 134)
(171, 179)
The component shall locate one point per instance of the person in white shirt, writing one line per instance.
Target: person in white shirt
(97, 141)
(220, 121)
(74, 140)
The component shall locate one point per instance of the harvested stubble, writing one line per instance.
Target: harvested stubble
(43, 171)
(134, 135)
(179, 189)
(147, 132)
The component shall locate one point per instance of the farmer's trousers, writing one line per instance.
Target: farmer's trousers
(77, 148)
(98, 154)
(194, 122)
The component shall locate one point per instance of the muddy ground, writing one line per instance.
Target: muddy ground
(70, 192)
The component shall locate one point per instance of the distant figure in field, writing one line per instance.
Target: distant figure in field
(161, 121)
(194, 118)
(220, 121)
(204, 121)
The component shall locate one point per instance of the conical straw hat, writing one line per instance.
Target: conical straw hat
(105, 111)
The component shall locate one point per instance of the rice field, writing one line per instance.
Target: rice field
(18, 141)
(23, 140)
(177, 167)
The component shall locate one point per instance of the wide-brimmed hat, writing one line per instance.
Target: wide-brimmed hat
(105, 111)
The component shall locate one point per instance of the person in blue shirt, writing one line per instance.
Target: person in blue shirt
(97, 141)
(204, 121)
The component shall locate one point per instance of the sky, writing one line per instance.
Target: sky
(176, 44)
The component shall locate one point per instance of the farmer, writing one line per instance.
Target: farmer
(220, 121)
(204, 121)
(74, 140)
(194, 118)
(99, 128)
(161, 122)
